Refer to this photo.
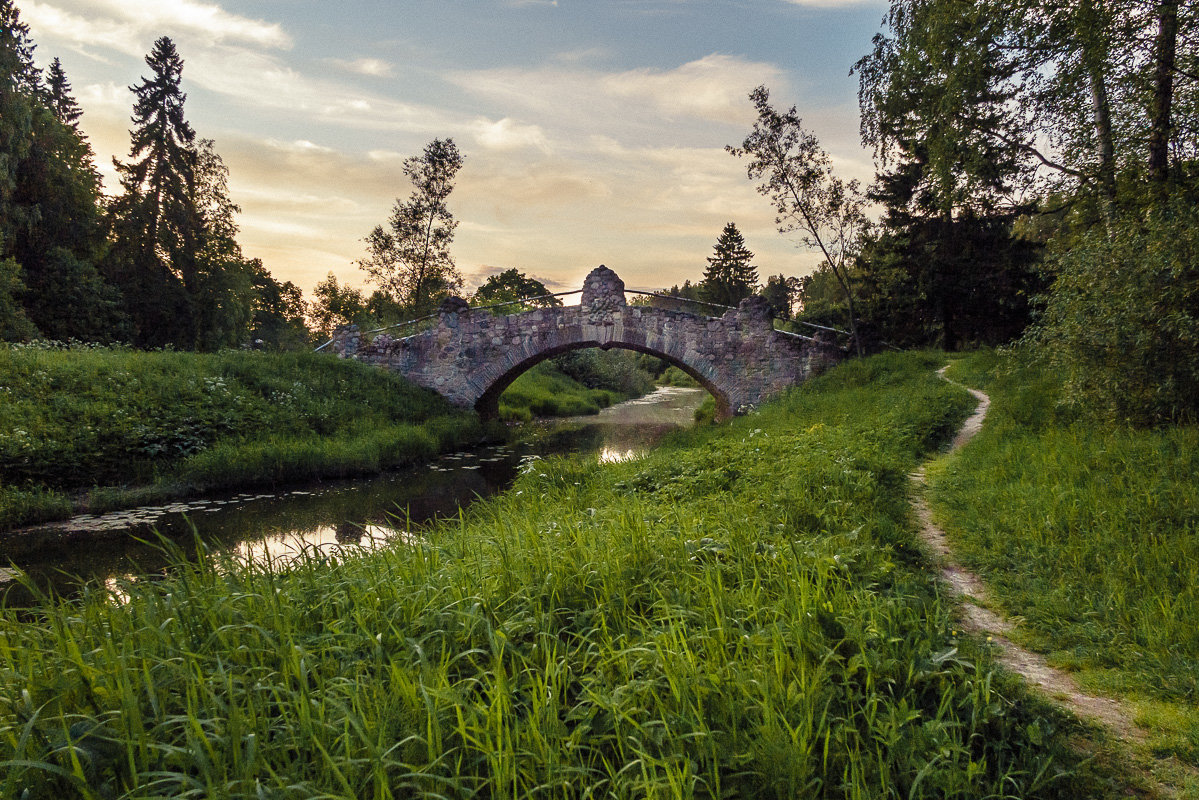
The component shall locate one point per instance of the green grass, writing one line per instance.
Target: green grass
(544, 391)
(742, 613)
(75, 420)
(1089, 533)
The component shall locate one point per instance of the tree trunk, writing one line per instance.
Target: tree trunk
(1164, 47)
(1094, 55)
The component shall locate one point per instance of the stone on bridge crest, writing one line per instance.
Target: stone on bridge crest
(603, 296)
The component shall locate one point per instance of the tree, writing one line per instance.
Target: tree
(279, 310)
(222, 295)
(14, 324)
(730, 276)
(50, 218)
(158, 228)
(411, 259)
(511, 286)
(782, 293)
(797, 177)
(59, 98)
(335, 305)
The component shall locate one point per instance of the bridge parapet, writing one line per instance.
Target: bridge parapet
(471, 357)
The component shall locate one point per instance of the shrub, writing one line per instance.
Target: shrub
(1122, 320)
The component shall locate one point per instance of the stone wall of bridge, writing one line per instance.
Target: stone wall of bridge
(471, 356)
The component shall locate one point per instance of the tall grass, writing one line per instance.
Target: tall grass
(71, 420)
(1090, 534)
(740, 614)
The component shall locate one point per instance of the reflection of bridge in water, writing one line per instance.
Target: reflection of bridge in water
(470, 357)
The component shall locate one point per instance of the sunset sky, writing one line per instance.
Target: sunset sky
(593, 130)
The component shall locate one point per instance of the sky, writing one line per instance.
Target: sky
(593, 131)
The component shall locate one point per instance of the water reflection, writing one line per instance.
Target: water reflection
(328, 516)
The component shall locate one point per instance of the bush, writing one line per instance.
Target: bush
(1122, 320)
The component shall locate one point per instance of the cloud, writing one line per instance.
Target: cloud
(507, 135)
(124, 25)
(713, 88)
(374, 67)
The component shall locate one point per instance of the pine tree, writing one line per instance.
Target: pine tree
(158, 228)
(59, 98)
(730, 276)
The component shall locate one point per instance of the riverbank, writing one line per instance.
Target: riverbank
(92, 430)
(99, 428)
(1087, 534)
(744, 612)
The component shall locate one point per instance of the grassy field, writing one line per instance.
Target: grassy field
(1089, 534)
(742, 613)
(118, 427)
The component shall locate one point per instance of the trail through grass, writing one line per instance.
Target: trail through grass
(1090, 535)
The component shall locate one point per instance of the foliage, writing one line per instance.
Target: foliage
(782, 293)
(157, 224)
(411, 260)
(1122, 319)
(730, 276)
(14, 324)
(619, 371)
(546, 391)
(1102, 521)
(511, 286)
(797, 176)
(77, 418)
(696, 623)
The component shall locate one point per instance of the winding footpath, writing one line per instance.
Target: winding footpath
(970, 592)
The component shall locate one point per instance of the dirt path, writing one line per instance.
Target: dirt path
(977, 618)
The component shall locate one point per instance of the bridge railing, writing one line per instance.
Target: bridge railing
(418, 325)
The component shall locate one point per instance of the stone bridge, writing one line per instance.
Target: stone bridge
(470, 357)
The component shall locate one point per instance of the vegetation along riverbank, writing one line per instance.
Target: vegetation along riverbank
(100, 428)
(1088, 534)
(107, 427)
(743, 612)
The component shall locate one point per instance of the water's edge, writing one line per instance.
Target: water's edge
(328, 514)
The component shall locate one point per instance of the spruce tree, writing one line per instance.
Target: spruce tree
(157, 226)
(730, 276)
(59, 98)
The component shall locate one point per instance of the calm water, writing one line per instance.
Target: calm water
(331, 514)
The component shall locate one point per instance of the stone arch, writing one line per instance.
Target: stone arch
(471, 356)
(488, 403)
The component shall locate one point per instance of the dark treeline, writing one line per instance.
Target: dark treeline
(157, 265)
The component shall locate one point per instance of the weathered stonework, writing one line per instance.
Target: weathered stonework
(470, 358)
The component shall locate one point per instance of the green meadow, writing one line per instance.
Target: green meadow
(744, 612)
(1088, 533)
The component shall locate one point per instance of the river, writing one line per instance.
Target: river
(348, 513)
